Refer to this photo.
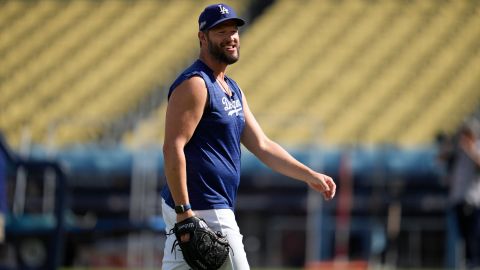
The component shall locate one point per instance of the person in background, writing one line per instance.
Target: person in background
(3, 201)
(465, 191)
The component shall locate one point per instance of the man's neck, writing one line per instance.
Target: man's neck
(217, 67)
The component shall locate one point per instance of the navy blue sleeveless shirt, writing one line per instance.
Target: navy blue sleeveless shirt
(213, 153)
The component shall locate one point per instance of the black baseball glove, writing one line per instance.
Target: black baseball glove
(202, 248)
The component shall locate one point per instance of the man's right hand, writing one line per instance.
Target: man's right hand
(185, 215)
(181, 217)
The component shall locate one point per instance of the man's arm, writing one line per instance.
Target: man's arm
(277, 158)
(184, 110)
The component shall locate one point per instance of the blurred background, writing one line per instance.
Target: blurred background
(371, 92)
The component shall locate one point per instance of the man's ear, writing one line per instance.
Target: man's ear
(202, 37)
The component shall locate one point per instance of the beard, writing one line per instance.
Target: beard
(217, 52)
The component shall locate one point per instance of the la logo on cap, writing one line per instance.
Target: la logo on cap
(215, 14)
(223, 9)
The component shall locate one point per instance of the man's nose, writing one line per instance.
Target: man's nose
(232, 37)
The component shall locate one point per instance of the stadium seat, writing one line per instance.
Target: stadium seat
(73, 68)
(340, 72)
(369, 74)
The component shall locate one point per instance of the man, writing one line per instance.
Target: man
(3, 201)
(3, 190)
(206, 120)
(465, 192)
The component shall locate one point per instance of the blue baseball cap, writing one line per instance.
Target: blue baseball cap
(214, 14)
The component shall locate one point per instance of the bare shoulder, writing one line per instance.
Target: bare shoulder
(190, 94)
(193, 87)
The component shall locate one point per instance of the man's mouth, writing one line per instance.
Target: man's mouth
(231, 48)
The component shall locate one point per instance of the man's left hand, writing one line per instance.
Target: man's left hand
(324, 184)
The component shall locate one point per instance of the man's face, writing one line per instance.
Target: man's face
(223, 42)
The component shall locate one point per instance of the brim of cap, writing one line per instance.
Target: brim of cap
(239, 21)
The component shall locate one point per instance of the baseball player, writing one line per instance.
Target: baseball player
(207, 119)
